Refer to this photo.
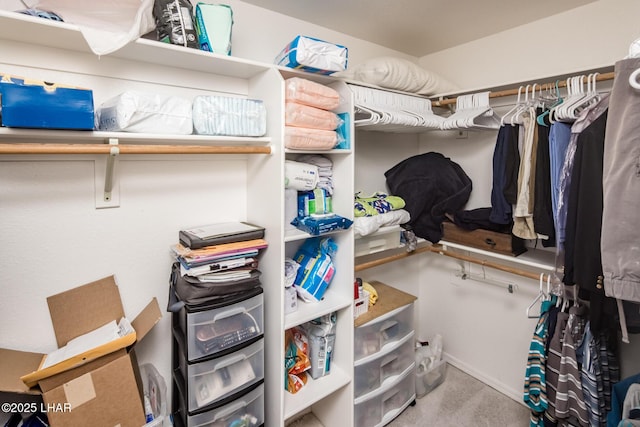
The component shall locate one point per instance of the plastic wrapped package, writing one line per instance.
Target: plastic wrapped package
(313, 55)
(297, 138)
(308, 92)
(321, 224)
(134, 111)
(213, 24)
(174, 22)
(316, 268)
(321, 333)
(296, 359)
(223, 115)
(300, 176)
(105, 26)
(300, 115)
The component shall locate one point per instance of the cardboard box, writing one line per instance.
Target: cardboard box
(102, 390)
(28, 103)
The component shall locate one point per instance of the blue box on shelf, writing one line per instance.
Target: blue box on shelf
(36, 104)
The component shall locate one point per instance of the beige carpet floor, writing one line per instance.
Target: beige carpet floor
(461, 400)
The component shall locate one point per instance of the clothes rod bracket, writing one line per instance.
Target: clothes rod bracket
(109, 195)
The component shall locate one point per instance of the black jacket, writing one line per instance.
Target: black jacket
(431, 185)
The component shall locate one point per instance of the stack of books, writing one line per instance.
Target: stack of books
(217, 259)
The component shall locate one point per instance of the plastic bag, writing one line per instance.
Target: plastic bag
(106, 25)
(296, 359)
(174, 22)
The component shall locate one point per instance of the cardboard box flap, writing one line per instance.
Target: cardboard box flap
(85, 308)
(31, 379)
(13, 365)
(147, 319)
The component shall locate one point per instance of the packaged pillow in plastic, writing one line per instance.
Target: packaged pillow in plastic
(296, 138)
(222, 115)
(313, 55)
(134, 111)
(305, 116)
(308, 92)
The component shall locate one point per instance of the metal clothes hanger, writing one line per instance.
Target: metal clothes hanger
(540, 295)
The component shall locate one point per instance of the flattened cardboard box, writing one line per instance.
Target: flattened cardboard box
(104, 389)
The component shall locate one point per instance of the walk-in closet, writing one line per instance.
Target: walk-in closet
(105, 207)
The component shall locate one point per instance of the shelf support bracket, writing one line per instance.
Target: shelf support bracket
(107, 189)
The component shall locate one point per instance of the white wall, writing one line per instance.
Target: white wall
(591, 36)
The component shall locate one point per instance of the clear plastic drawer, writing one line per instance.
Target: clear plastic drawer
(217, 379)
(386, 330)
(213, 329)
(388, 403)
(246, 410)
(372, 375)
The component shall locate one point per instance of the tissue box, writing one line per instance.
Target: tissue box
(213, 25)
(313, 55)
(28, 103)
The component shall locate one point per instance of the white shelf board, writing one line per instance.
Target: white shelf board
(98, 137)
(316, 390)
(43, 32)
(323, 152)
(333, 300)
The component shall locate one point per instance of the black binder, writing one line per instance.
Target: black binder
(217, 234)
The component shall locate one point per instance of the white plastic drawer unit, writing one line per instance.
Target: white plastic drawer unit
(218, 379)
(379, 408)
(247, 410)
(213, 329)
(383, 239)
(372, 373)
(373, 336)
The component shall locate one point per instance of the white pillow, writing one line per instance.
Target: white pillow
(399, 74)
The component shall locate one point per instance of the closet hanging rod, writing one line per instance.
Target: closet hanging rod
(52, 148)
(439, 249)
(514, 91)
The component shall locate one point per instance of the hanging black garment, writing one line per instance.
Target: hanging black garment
(500, 207)
(431, 185)
(512, 164)
(542, 208)
(583, 264)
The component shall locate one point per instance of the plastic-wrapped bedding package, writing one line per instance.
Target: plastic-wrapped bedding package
(305, 116)
(313, 55)
(296, 138)
(308, 92)
(213, 24)
(134, 111)
(222, 115)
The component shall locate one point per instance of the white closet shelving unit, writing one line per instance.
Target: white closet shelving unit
(330, 398)
(53, 51)
(385, 239)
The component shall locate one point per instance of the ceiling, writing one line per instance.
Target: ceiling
(419, 27)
